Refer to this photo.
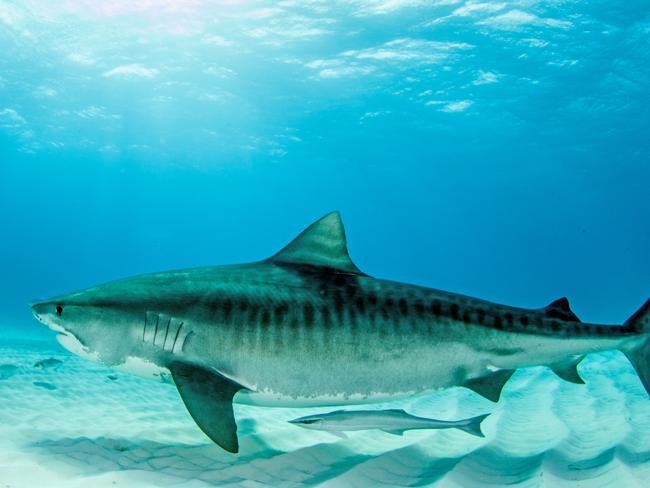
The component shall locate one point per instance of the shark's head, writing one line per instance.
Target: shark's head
(315, 422)
(90, 324)
(321, 421)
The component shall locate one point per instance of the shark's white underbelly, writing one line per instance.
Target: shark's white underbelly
(324, 380)
(271, 398)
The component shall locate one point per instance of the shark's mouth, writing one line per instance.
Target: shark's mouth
(68, 340)
(61, 331)
(75, 346)
(51, 325)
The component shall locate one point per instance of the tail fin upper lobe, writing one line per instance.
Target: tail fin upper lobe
(639, 355)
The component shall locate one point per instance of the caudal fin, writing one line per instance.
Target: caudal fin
(639, 354)
(473, 425)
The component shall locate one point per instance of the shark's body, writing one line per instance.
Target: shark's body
(392, 421)
(307, 327)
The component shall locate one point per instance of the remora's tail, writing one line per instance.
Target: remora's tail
(639, 354)
(473, 425)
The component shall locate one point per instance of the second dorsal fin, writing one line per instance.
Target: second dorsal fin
(322, 244)
(560, 309)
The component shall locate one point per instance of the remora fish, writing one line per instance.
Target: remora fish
(307, 327)
(392, 421)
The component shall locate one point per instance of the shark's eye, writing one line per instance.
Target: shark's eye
(59, 310)
(310, 421)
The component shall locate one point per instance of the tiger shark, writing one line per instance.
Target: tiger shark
(306, 327)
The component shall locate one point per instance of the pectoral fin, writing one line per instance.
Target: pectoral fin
(490, 386)
(208, 397)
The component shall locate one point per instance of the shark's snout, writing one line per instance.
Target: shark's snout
(48, 313)
(38, 310)
(56, 315)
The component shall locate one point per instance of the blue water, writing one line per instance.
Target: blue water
(496, 149)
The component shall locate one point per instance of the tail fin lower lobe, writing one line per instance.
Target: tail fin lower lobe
(473, 425)
(639, 355)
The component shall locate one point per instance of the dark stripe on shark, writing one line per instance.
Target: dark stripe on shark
(250, 325)
(227, 310)
(252, 313)
(326, 318)
(360, 305)
(308, 314)
(342, 302)
(280, 312)
(403, 307)
(454, 311)
(339, 305)
(480, 316)
(351, 290)
(266, 317)
(535, 322)
(352, 322)
(419, 309)
(278, 336)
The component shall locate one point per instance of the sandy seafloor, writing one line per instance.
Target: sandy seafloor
(73, 426)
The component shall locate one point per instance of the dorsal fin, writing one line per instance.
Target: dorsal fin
(321, 244)
(560, 309)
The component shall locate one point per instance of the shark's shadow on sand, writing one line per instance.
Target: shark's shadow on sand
(258, 462)
(335, 463)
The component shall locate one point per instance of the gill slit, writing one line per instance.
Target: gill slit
(156, 332)
(178, 331)
(167, 332)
